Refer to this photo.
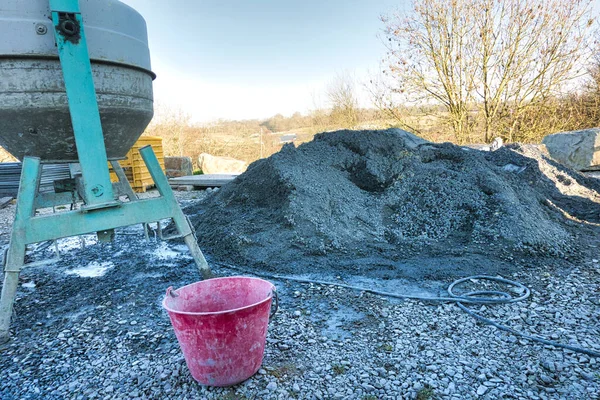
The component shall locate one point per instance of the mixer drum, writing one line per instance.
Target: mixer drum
(34, 112)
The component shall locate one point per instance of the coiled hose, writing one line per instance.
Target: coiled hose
(486, 297)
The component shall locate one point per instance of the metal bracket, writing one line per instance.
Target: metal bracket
(169, 237)
(159, 232)
(189, 221)
(69, 27)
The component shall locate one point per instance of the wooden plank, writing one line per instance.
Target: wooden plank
(592, 168)
(4, 201)
(206, 180)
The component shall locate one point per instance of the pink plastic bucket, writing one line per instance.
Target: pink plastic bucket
(221, 325)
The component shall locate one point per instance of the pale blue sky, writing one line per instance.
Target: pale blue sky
(239, 59)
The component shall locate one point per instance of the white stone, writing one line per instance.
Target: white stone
(481, 390)
(579, 150)
(210, 164)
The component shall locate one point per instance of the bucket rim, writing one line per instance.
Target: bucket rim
(270, 296)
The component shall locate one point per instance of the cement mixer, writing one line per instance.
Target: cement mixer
(76, 87)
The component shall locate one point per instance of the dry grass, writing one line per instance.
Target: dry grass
(250, 140)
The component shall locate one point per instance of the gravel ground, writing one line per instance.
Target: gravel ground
(107, 337)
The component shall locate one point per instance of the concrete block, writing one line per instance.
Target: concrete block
(178, 166)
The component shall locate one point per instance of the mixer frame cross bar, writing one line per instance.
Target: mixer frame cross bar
(29, 228)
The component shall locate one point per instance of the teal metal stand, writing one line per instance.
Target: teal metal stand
(102, 211)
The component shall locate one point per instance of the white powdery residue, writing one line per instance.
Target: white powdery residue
(183, 250)
(164, 252)
(76, 242)
(92, 270)
(29, 285)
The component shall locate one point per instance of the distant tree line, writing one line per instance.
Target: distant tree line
(248, 139)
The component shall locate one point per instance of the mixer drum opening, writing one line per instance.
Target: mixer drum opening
(34, 112)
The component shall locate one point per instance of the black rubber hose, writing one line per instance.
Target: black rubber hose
(475, 297)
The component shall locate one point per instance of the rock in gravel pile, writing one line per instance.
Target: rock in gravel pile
(361, 200)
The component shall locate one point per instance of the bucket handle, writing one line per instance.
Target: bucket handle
(171, 292)
(275, 307)
(174, 294)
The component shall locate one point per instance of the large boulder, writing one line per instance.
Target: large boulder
(579, 150)
(178, 166)
(210, 164)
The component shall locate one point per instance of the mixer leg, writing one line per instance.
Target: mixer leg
(124, 183)
(201, 263)
(15, 257)
(181, 222)
(9, 290)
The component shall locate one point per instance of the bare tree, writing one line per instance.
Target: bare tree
(495, 59)
(341, 94)
(529, 52)
(173, 125)
(383, 100)
(429, 57)
(589, 101)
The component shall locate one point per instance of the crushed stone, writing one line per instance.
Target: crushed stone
(109, 337)
(392, 204)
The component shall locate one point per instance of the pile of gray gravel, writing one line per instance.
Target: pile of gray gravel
(390, 201)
